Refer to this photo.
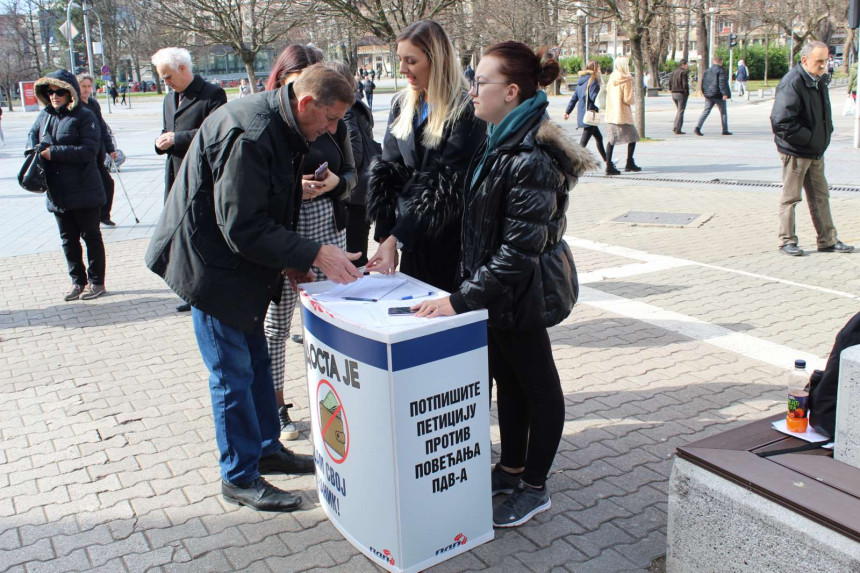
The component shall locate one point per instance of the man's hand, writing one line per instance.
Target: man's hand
(114, 155)
(46, 154)
(164, 141)
(567, 115)
(725, 98)
(336, 264)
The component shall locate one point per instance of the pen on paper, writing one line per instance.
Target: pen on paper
(411, 296)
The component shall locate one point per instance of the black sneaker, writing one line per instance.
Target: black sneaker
(286, 462)
(260, 495)
(524, 503)
(504, 482)
(698, 131)
(108, 223)
(288, 427)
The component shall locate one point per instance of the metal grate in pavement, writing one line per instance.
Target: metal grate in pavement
(657, 218)
(734, 182)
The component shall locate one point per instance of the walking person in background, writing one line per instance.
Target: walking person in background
(619, 116)
(189, 101)
(321, 217)
(113, 92)
(368, 86)
(715, 87)
(585, 94)
(69, 136)
(106, 148)
(122, 90)
(415, 190)
(244, 88)
(679, 85)
(743, 76)
(802, 123)
(516, 264)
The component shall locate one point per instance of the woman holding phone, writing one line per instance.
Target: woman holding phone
(328, 175)
(516, 264)
(415, 190)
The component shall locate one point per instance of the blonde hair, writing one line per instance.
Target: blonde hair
(446, 89)
(621, 66)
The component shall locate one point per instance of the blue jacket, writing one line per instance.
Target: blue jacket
(579, 96)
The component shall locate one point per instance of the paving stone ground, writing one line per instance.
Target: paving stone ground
(107, 451)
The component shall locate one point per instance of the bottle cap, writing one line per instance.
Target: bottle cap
(800, 364)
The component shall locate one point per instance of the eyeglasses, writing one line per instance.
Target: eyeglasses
(475, 85)
(61, 93)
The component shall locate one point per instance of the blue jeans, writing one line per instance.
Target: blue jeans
(243, 397)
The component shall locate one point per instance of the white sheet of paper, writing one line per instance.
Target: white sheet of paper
(810, 435)
(370, 288)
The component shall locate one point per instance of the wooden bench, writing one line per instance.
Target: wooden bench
(810, 484)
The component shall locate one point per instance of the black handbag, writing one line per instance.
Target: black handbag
(32, 174)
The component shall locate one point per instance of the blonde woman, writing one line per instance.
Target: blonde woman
(619, 116)
(414, 193)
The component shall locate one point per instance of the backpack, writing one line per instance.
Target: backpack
(823, 386)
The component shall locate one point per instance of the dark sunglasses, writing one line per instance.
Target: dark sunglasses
(61, 93)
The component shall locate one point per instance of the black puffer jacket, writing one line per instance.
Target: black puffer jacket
(359, 122)
(515, 261)
(715, 82)
(107, 145)
(801, 118)
(74, 137)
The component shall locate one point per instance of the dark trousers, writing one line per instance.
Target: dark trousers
(77, 224)
(357, 232)
(369, 96)
(590, 131)
(610, 149)
(710, 102)
(529, 398)
(680, 106)
(108, 184)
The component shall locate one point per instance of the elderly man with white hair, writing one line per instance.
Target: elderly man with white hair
(190, 100)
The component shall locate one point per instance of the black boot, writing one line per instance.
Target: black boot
(611, 170)
(631, 166)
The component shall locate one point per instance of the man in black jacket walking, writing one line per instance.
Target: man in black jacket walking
(715, 87)
(190, 100)
(802, 123)
(679, 84)
(86, 83)
(223, 243)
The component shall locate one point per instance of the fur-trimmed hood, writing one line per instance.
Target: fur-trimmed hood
(571, 157)
(60, 79)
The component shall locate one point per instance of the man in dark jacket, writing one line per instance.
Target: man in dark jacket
(86, 83)
(715, 87)
(368, 87)
(222, 243)
(190, 100)
(679, 85)
(802, 123)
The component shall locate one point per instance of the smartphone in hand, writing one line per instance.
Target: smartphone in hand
(322, 172)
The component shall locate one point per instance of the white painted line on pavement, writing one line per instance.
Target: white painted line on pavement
(662, 262)
(739, 343)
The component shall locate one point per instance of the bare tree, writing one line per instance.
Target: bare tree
(246, 26)
(16, 56)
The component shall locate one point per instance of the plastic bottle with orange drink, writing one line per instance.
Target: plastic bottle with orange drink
(797, 419)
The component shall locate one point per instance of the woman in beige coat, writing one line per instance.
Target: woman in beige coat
(619, 116)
